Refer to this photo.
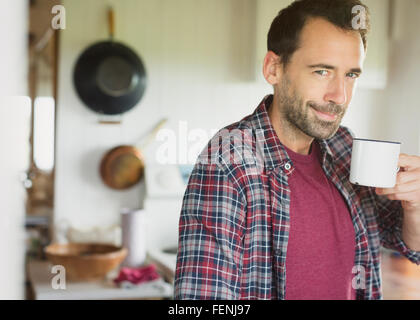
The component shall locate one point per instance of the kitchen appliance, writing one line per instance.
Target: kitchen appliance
(165, 188)
(167, 181)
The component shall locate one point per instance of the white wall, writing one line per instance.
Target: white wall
(193, 51)
(394, 113)
(401, 101)
(14, 143)
(186, 47)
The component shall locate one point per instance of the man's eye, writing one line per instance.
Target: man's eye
(353, 75)
(322, 72)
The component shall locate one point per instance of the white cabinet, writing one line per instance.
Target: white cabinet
(375, 66)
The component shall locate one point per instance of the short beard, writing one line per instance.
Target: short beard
(297, 114)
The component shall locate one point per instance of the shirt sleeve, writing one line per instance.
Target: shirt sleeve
(210, 236)
(390, 226)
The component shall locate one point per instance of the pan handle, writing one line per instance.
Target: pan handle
(145, 141)
(111, 22)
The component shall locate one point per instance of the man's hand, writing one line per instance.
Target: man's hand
(407, 190)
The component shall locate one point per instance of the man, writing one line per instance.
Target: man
(289, 225)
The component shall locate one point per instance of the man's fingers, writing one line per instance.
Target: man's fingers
(410, 162)
(407, 176)
(400, 188)
(410, 197)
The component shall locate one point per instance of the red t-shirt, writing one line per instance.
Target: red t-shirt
(321, 247)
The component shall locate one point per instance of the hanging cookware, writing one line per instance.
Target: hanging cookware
(109, 77)
(123, 166)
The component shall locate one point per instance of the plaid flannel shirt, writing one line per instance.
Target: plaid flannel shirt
(234, 223)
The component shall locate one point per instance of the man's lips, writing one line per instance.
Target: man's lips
(324, 115)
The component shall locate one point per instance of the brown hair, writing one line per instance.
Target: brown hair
(284, 34)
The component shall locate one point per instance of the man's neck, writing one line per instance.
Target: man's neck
(292, 137)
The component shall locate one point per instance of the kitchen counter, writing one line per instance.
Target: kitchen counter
(400, 277)
(165, 262)
(41, 277)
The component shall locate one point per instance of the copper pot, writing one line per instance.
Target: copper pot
(123, 166)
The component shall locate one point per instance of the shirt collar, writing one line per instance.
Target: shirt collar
(274, 153)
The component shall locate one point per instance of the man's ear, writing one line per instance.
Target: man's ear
(271, 68)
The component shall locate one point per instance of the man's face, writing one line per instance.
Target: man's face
(317, 85)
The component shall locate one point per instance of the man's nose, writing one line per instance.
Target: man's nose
(337, 92)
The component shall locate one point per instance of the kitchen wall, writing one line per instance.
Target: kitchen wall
(192, 76)
(15, 111)
(400, 101)
(200, 66)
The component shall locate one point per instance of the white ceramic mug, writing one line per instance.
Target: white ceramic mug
(374, 163)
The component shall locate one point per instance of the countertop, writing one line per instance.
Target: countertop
(401, 281)
(41, 278)
(165, 262)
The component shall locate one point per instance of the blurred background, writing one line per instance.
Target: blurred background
(195, 66)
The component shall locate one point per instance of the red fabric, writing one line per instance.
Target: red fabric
(321, 247)
(137, 275)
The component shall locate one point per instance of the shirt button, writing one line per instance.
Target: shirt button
(287, 166)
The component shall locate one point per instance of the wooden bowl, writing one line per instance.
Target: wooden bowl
(85, 261)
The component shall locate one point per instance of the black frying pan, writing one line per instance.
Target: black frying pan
(109, 77)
